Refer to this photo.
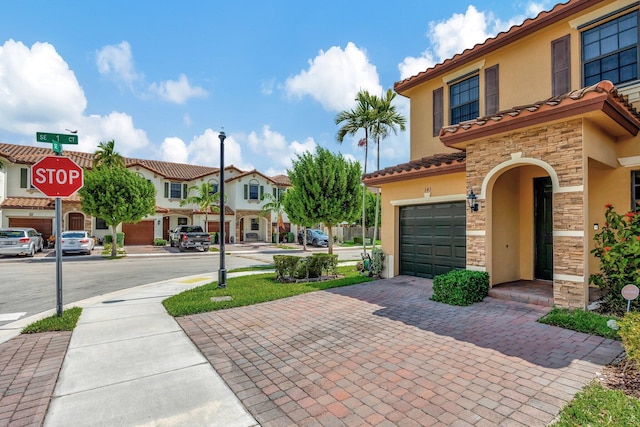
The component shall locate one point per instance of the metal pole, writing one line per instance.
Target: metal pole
(58, 257)
(222, 273)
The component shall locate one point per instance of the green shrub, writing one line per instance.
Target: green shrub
(286, 266)
(461, 287)
(377, 262)
(159, 242)
(618, 248)
(119, 239)
(630, 333)
(358, 240)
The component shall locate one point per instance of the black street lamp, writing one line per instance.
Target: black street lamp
(222, 273)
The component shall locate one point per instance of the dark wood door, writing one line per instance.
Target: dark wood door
(76, 221)
(543, 223)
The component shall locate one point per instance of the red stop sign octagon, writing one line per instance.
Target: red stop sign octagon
(57, 176)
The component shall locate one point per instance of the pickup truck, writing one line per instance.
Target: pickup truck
(189, 237)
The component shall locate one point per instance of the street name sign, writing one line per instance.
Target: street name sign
(57, 139)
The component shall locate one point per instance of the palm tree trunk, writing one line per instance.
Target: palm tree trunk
(364, 190)
(375, 222)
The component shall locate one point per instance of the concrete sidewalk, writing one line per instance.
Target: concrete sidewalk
(129, 364)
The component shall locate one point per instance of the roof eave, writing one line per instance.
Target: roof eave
(420, 173)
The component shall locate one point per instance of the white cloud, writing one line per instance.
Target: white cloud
(460, 32)
(38, 92)
(174, 150)
(334, 77)
(203, 150)
(178, 91)
(274, 146)
(117, 61)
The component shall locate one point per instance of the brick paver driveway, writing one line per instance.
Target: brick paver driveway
(382, 353)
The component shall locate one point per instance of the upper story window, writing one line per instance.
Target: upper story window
(175, 190)
(214, 185)
(635, 190)
(253, 190)
(610, 51)
(464, 99)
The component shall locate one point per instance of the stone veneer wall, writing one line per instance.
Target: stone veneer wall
(241, 213)
(560, 146)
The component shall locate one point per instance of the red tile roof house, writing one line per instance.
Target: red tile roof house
(21, 205)
(539, 123)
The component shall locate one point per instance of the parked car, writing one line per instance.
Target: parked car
(20, 241)
(189, 237)
(76, 242)
(314, 237)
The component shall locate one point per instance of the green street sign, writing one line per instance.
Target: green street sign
(56, 138)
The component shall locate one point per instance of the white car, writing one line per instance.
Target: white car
(20, 241)
(76, 242)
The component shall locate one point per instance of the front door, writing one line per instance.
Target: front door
(543, 223)
(76, 221)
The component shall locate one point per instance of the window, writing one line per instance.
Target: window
(24, 177)
(463, 99)
(175, 190)
(635, 190)
(182, 221)
(101, 224)
(610, 51)
(214, 185)
(255, 226)
(253, 191)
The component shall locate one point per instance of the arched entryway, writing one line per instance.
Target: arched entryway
(520, 224)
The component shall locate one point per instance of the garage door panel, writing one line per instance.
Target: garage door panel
(432, 238)
(140, 233)
(41, 225)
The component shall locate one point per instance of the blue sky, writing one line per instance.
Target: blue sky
(163, 78)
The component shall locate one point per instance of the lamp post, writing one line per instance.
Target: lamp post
(222, 272)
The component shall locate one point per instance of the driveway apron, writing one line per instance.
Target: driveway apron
(382, 353)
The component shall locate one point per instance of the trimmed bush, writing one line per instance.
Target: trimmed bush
(630, 333)
(357, 240)
(159, 242)
(461, 287)
(289, 267)
(119, 239)
(286, 266)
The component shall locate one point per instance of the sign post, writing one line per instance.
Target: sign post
(57, 177)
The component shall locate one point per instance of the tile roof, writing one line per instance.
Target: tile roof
(36, 203)
(544, 19)
(243, 174)
(602, 96)
(227, 211)
(28, 155)
(438, 164)
(282, 180)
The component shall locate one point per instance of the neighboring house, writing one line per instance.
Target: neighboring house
(21, 205)
(542, 171)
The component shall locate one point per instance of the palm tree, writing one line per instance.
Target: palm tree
(205, 199)
(106, 155)
(385, 120)
(274, 204)
(354, 120)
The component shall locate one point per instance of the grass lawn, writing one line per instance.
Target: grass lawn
(251, 289)
(66, 322)
(598, 406)
(581, 321)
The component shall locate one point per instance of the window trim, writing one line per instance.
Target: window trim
(635, 187)
(458, 81)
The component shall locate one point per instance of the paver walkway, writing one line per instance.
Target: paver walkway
(382, 353)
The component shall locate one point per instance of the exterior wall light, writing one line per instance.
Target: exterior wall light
(473, 204)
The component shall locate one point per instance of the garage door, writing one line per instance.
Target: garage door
(214, 227)
(138, 234)
(42, 225)
(432, 239)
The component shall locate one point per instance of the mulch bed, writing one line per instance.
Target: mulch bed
(622, 374)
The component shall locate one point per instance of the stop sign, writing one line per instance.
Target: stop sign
(57, 176)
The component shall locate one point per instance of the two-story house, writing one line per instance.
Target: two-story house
(517, 145)
(21, 205)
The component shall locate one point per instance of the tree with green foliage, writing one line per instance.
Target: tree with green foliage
(326, 189)
(106, 155)
(353, 121)
(295, 205)
(385, 120)
(206, 200)
(117, 195)
(370, 208)
(273, 206)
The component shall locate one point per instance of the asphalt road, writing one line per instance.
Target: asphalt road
(28, 285)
